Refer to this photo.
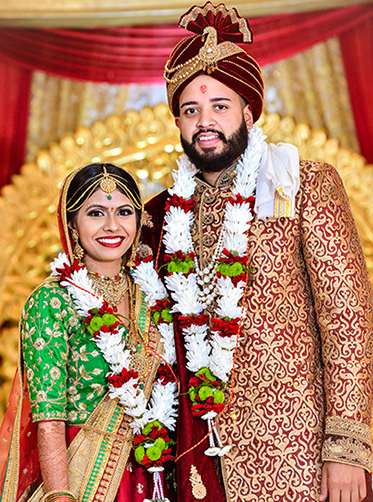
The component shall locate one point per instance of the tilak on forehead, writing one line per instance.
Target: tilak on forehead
(214, 51)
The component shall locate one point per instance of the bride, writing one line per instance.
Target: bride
(90, 357)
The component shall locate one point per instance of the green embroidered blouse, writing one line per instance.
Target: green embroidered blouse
(65, 371)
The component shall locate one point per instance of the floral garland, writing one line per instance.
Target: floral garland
(210, 351)
(151, 419)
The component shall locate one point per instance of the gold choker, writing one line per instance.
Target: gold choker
(112, 289)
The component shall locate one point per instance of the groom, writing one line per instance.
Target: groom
(297, 409)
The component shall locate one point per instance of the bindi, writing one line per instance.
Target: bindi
(112, 210)
(203, 89)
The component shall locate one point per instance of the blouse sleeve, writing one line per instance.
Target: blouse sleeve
(45, 334)
(343, 301)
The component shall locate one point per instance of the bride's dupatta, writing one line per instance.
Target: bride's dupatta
(97, 456)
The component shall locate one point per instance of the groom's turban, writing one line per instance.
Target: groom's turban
(214, 51)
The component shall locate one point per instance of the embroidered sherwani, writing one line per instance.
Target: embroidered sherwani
(303, 376)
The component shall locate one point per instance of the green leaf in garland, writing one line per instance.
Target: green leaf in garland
(231, 269)
(236, 269)
(207, 373)
(160, 443)
(148, 427)
(96, 323)
(109, 319)
(180, 266)
(192, 393)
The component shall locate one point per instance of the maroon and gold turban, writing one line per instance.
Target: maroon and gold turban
(213, 51)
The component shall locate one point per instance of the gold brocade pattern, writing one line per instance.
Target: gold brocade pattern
(210, 204)
(198, 488)
(303, 315)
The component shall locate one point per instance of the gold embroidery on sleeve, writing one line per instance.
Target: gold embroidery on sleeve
(348, 441)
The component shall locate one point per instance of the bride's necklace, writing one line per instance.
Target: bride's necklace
(112, 289)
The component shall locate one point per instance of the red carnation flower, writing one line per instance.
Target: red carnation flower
(187, 321)
(160, 305)
(68, 270)
(237, 278)
(239, 200)
(178, 255)
(197, 381)
(126, 375)
(176, 201)
(199, 409)
(157, 432)
(226, 328)
(228, 257)
(164, 374)
(139, 438)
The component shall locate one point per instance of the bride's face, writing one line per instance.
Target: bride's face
(106, 229)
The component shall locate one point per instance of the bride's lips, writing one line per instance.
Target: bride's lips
(110, 242)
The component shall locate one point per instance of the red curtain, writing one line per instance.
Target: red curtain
(357, 51)
(14, 104)
(138, 54)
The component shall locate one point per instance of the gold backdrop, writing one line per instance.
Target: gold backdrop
(147, 143)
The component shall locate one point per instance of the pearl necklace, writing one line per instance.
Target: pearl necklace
(206, 278)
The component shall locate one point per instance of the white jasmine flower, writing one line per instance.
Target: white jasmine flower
(162, 404)
(184, 183)
(177, 230)
(238, 217)
(245, 182)
(129, 395)
(167, 333)
(229, 296)
(147, 278)
(184, 291)
(222, 355)
(80, 288)
(198, 350)
(60, 262)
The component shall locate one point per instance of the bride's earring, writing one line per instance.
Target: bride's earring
(78, 252)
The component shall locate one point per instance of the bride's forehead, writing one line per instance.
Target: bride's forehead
(108, 200)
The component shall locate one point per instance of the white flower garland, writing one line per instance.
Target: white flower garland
(162, 405)
(184, 290)
(204, 349)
